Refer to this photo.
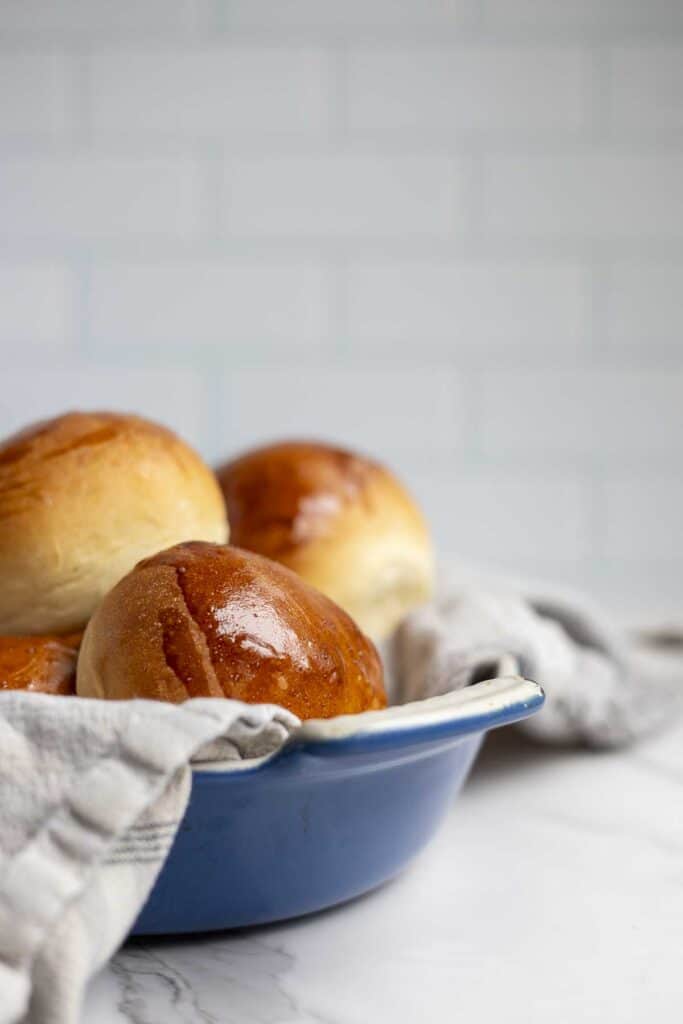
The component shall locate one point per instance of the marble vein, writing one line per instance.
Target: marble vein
(553, 892)
(149, 983)
(236, 979)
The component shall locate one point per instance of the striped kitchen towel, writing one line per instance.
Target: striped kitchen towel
(91, 796)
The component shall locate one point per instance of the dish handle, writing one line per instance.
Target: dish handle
(477, 708)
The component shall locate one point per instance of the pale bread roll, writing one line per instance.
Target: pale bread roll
(85, 496)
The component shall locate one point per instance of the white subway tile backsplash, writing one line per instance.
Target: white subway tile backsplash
(262, 93)
(384, 411)
(447, 94)
(643, 307)
(92, 196)
(104, 19)
(342, 196)
(609, 16)
(174, 397)
(503, 518)
(607, 196)
(448, 233)
(484, 307)
(220, 304)
(647, 90)
(37, 309)
(352, 15)
(33, 96)
(594, 417)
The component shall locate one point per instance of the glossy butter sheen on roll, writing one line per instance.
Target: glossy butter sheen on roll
(343, 522)
(207, 620)
(40, 664)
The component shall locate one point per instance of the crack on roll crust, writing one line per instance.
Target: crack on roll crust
(26, 445)
(179, 651)
(22, 443)
(186, 648)
(87, 441)
(204, 619)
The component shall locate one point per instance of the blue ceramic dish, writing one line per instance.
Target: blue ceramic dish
(341, 809)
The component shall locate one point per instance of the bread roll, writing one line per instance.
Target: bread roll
(44, 664)
(206, 620)
(342, 522)
(83, 498)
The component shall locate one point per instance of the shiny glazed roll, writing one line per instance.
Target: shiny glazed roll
(85, 496)
(42, 664)
(207, 620)
(342, 522)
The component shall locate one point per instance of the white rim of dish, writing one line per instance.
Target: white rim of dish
(473, 703)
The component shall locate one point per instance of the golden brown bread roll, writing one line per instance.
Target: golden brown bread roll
(342, 522)
(207, 620)
(44, 664)
(85, 496)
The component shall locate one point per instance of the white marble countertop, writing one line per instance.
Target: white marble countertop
(554, 892)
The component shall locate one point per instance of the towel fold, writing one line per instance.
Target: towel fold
(92, 792)
(91, 795)
(605, 686)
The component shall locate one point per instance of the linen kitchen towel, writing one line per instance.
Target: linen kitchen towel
(91, 795)
(92, 792)
(605, 686)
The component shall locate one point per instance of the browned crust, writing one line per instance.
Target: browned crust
(50, 439)
(283, 496)
(41, 441)
(45, 664)
(205, 620)
(344, 523)
(30, 460)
